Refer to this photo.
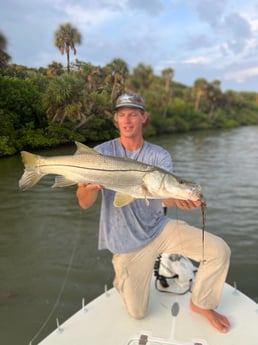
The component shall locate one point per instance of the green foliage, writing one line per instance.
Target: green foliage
(22, 100)
(30, 138)
(100, 129)
(18, 71)
(62, 98)
(6, 146)
(48, 107)
(61, 134)
(220, 119)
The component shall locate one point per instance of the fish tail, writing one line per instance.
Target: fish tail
(30, 176)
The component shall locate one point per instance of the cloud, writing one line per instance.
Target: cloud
(254, 24)
(200, 38)
(197, 41)
(229, 27)
(211, 11)
(252, 43)
(237, 30)
(200, 60)
(97, 13)
(85, 16)
(241, 76)
(236, 25)
(151, 7)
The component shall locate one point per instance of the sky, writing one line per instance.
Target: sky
(211, 39)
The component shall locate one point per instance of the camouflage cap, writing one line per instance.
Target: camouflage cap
(131, 100)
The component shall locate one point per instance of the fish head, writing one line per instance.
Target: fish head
(179, 188)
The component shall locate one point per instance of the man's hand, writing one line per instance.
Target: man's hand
(187, 204)
(184, 204)
(87, 194)
(89, 186)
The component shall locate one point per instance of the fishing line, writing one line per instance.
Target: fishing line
(59, 296)
(204, 211)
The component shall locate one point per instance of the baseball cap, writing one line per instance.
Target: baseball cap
(131, 100)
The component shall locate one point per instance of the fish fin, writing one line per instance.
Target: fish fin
(30, 176)
(61, 181)
(146, 201)
(145, 190)
(121, 200)
(81, 149)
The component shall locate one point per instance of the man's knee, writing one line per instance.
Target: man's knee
(223, 250)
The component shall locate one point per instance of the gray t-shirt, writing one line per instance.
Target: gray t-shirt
(127, 229)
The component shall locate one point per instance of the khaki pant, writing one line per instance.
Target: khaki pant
(133, 271)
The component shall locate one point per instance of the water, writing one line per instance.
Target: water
(48, 245)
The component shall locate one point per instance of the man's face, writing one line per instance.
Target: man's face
(130, 121)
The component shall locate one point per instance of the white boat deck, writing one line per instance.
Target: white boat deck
(104, 321)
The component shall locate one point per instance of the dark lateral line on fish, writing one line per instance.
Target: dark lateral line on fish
(98, 169)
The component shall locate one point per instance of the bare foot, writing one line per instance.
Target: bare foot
(219, 321)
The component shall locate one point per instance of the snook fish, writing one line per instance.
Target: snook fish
(129, 178)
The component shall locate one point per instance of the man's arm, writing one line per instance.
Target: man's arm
(87, 194)
(184, 204)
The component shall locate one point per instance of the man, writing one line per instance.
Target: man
(136, 234)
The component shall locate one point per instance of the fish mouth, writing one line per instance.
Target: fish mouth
(195, 194)
(197, 191)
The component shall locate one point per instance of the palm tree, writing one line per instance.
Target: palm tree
(63, 100)
(65, 39)
(200, 87)
(119, 72)
(4, 57)
(141, 78)
(214, 95)
(55, 69)
(167, 75)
